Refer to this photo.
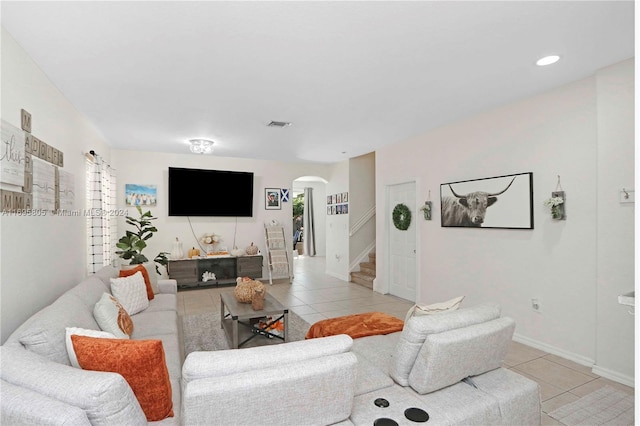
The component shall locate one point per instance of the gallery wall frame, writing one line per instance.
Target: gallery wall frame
(504, 202)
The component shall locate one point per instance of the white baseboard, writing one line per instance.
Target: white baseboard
(614, 375)
(582, 360)
(346, 278)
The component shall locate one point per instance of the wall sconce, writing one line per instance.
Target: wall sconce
(557, 203)
(427, 207)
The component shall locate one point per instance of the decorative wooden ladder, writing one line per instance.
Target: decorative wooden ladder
(278, 262)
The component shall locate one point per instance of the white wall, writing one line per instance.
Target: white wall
(552, 134)
(41, 257)
(362, 198)
(338, 225)
(151, 168)
(615, 250)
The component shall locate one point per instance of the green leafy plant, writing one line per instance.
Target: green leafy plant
(132, 244)
(298, 205)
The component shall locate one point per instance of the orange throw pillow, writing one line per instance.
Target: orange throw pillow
(140, 362)
(145, 275)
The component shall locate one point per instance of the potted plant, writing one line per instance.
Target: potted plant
(132, 244)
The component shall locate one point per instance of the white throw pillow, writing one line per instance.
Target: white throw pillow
(131, 291)
(435, 308)
(82, 332)
(112, 317)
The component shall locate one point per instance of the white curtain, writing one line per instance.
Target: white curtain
(102, 224)
(309, 225)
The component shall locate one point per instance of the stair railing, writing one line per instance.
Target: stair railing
(369, 214)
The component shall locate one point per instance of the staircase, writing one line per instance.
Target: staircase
(367, 272)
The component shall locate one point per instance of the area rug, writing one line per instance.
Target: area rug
(202, 332)
(605, 406)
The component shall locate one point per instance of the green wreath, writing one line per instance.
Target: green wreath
(401, 217)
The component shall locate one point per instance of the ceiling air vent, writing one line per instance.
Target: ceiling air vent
(279, 124)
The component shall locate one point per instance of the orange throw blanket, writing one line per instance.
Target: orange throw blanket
(357, 325)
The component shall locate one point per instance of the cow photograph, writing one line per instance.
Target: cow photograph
(495, 202)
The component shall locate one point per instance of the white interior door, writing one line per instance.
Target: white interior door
(402, 244)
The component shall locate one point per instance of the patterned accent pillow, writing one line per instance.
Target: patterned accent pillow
(112, 317)
(131, 291)
(82, 332)
(142, 363)
(145, 275)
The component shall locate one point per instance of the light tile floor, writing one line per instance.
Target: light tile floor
(314, 296)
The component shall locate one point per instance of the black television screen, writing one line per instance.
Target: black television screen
(200, 192)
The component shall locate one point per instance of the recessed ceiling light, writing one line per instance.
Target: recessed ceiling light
(547, 60)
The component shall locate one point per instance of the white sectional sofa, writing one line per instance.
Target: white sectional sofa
(39, 386)
(447, 364)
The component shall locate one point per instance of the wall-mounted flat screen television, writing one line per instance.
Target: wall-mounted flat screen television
(201, 192)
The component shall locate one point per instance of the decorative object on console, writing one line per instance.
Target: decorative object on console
(132, 244)
(401, 217)
(252, 250)
(208, 276)
(466, 203)
(245, 288)
(176, 250)
(193, 252)
(557, 203)
(237, 252)
(209, 241)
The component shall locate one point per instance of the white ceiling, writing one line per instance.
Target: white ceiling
(351, 76)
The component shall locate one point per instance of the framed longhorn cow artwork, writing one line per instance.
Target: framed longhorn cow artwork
(494, 202)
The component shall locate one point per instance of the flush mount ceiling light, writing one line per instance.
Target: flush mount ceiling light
(547, 60)
(201, 146)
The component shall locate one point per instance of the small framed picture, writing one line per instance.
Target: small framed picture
(338, 198)
(345, 208)
(272, 199)
(140, 195)
(329, 199)
(328, 210)
(345, 197)
(333, 209)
